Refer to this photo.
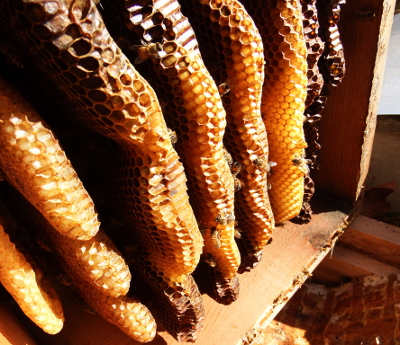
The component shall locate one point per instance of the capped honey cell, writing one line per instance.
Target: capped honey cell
(283, 101)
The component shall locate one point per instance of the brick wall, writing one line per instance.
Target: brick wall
(362, 312)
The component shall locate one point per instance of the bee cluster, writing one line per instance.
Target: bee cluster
(187, 125)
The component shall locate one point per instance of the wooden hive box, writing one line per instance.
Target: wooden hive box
(347, 131)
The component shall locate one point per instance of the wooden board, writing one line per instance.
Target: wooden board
(348, 263)
(12, 331)
(366, 247)
(294, 252)
(375, 239)
(348, 122)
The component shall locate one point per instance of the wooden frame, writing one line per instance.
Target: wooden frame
(347, 132)
(367, 247)
(349, 120)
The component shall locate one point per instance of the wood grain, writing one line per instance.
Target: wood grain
(375, 239)
(264, 291)
(12, 331)
(348, 263)
(366, 247)
(348, 122)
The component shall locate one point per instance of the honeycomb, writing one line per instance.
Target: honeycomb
(333, 65)
(315, 48)
(311, 125)
(97, 260)
(84, 264)
(177, 306)
(25, 281)
(140, 186)
(34, 162)
(304, 216)
(97, 84)
(233, 52)
(223, 290)
(11, 52)
(283, 100)
(127, 313)
(193, 109)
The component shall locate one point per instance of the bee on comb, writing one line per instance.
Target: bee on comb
(146, 51)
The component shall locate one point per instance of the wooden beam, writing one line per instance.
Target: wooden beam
(349, 120)
(349, 263)
(376, 239)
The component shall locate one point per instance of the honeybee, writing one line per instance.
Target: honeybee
(202, 229)
(215, 239)
(228, 158)
(210, 260)
(297, 161)
(225, 219)
(238, 234)
(259, 162)
(314, 118)
(88, 309)
(146, 51)
(63, 279)
(43, 243)
(223, 89)
(269, 166)
(172, 136)
(235, 169)
(366, 13)
(238, 184)
(301, 161)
